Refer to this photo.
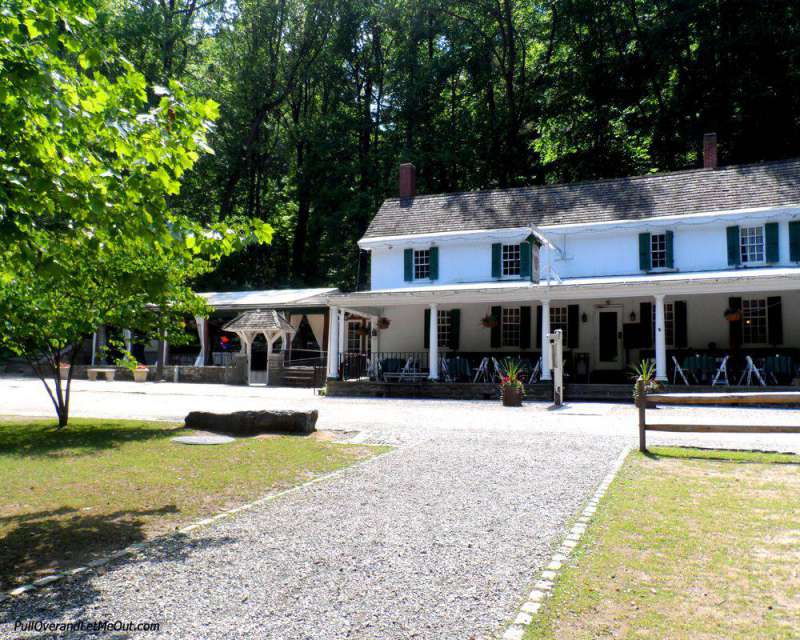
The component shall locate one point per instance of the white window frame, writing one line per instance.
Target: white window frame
(754, 309)
(444, 324)
(422, 264)
(511, 261)
(658, 249)
(669, 324)
(749, 237)
(559, 319)
(353, 327)
(510, 327)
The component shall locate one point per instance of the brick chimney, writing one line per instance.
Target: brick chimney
(408, 180)
(710, 151)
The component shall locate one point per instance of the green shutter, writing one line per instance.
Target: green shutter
(539, 326)
(497, 257)
(794, 241)
(646, 325)
(573, 326)
(497, 314)
(524, 327)
(670, 249)
(735, 326)
(771, 242)
(774, 320)
(734, 253)
(455, 329)
(434, 263)
(680, 324)
(525, 259)
(644, 251)
(427, 330)
(408, 265)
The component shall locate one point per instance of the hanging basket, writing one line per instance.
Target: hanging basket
(384, 323)
(733, 316)
(490, 322)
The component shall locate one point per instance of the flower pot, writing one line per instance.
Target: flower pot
(140, 375)
(512, 396)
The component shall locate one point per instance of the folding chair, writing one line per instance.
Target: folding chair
(678, 371)
(537, 371)
(408, 369)
(749, 371)
(444, 371)
(482, 372)
(722, 371)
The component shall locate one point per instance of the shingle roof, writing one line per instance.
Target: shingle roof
(269, 320)
(682, 192)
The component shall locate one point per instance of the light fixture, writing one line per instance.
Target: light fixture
(633, 316)
(584, 317)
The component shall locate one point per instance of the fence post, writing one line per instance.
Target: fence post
(641, 402)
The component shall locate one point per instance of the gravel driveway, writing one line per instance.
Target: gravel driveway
(438, 539)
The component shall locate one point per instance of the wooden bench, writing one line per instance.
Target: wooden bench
(741, 398)
(108, 374)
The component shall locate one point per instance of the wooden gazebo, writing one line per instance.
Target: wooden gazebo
(269, 323)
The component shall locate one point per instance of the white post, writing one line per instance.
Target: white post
(556, 344)
(269, 354)
(546, 360)
(333, 342)
(342, 334)
(200, 361)
(127, 337)
(248, 345)
(94, 346)
(661, 340)
(433, 346)
(373, 336)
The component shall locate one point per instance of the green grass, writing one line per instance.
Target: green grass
(99, 485)
(687, 543)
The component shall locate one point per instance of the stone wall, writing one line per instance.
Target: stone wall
(234, 374)
(453, 391)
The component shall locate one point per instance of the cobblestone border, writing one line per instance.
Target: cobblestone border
(543, 587)
(139, 546)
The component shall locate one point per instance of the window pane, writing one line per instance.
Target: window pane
(422, 264)
(444, 323)
(510, 259)
(510, 326)
(754, 321)
(558, 320)
(669, 323)
(658, 250)
(751, 243)
(353, 337)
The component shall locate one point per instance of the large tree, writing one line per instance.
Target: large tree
(90, 158)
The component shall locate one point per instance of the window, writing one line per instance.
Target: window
(754, 321)
(658, 251)
(669, 323)
(511, 260)
(422, 264)
(354, 336)
(445, 321)
(751, 243)
(558, 320)
(510, 326)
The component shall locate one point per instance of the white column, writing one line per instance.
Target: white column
(333, 342)
(546, 363)
(200, 361)
(94, 347)
(269, 340)
(342, 334)
(127, 337)
(661, 340)
(433, 346)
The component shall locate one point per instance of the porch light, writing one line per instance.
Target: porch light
(584, 317)
(633, 316)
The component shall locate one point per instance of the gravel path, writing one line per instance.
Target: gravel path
(438, 539)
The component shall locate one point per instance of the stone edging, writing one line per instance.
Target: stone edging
(138, 546)
(544, 585)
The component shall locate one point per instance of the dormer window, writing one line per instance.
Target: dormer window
(511, 260)
(658, 250)
(751, 244)
(422, 264)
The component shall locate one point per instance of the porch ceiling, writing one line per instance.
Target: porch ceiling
(728, 281)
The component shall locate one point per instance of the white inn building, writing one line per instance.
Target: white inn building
(685, 268)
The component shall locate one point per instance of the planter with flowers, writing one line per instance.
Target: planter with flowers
(511, 388)
(489, 321)
(140, 373)
(384, 323)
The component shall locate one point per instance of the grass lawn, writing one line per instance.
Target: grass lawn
(686, 544)
(100, 485)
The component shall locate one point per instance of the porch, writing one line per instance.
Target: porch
(723, 328)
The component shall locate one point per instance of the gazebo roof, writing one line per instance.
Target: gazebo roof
(268, 321)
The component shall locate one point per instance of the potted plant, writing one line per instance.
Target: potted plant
(384, 323)
(140, 372)
(646, 371)
(489, 321)
(511, 388)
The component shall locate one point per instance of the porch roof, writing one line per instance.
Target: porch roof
(267, 298)
(637, 285)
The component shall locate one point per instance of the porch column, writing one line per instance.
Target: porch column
(333, 343)
(433, 346)
(127, 337)
(202, 334)
(546, 359)
(661, 340)
(373, 339)
(94, 347)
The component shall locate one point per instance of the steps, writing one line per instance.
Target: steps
(299, 376)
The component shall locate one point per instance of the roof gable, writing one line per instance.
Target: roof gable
(634, 198)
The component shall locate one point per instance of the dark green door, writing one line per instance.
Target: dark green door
(608, 347)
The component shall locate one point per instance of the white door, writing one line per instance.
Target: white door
(608, 353)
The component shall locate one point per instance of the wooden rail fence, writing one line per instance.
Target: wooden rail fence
(744, 398)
